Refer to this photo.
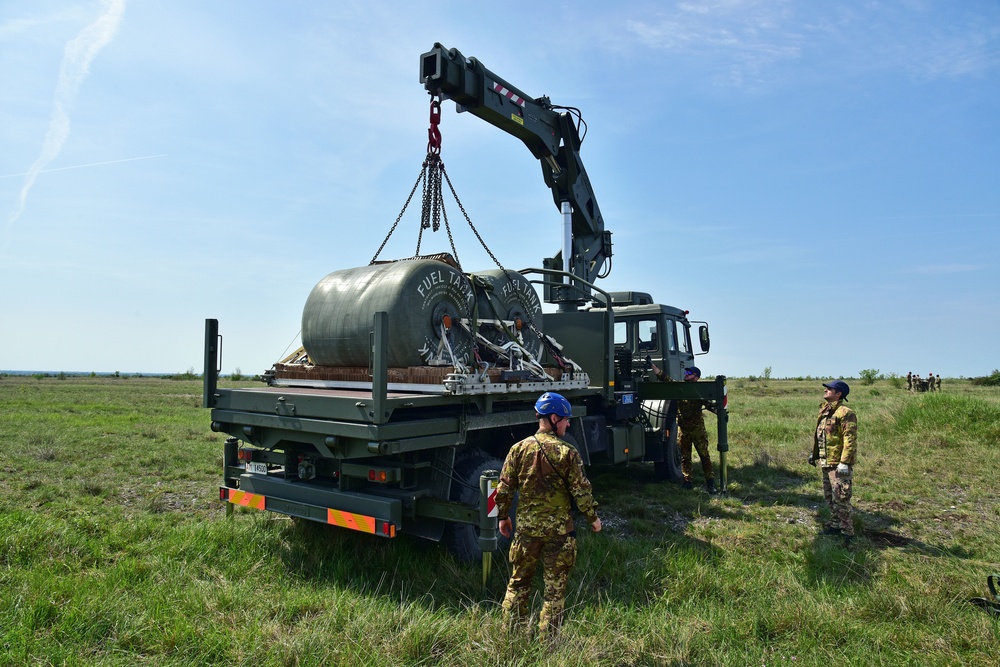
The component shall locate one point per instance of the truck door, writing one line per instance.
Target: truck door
(673, 362)
(656, 336)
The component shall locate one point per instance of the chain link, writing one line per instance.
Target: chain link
(527, 311)
(432, 210)
(399, 217)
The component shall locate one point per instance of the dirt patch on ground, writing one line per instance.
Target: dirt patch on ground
(884, 538)
(161, 497)
(619, 527)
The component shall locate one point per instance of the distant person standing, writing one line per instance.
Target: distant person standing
(693, 433)
(937, 381)
(835, 449)
(930, 382)
(909, 381)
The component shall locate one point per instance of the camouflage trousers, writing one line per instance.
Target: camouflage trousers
(837, 491)
(698, 438)
(557, 555)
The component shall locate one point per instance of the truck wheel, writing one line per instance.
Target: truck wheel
(669, 469)
(462, 539)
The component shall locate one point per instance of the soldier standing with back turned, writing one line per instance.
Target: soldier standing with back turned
(835, 448)
(548, 473)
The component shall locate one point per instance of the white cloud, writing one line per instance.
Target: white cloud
(745, 41)
(75, 67)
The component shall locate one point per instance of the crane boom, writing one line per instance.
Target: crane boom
(550, 135)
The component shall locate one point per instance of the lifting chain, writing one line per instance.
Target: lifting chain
(430, 213)
(432, 176)
(432, 203)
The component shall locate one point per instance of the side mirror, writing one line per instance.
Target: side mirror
(703, 337)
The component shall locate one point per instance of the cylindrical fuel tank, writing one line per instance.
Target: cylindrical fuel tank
(510, 296)
(418, 295)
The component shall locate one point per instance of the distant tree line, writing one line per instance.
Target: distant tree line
(991, 380)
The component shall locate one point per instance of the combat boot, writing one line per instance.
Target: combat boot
(710, 485)
(686, 484)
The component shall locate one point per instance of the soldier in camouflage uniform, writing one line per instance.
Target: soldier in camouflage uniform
(693, 432)
(909, 381)
(834, 448)
(548, 473)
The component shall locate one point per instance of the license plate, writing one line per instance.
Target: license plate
(256, 467)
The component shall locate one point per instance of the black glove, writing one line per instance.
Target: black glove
(649, 361)
(812, 460)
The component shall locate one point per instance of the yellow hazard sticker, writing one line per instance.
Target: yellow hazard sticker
(366, 524)
(246, 499)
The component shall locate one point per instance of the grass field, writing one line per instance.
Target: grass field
(114, 549)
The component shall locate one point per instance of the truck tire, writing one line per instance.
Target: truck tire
(461, 539)
(669, 469)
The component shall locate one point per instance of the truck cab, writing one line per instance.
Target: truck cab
(635, 327)
(658, 331)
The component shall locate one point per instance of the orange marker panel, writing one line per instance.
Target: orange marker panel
(247, 499)
(366, 524)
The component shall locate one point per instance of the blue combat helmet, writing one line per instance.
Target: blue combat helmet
(551, 403)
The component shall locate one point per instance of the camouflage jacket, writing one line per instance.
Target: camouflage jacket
(546, 470)
(689, 416)
(836, 435)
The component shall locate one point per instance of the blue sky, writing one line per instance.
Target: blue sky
(818, 181)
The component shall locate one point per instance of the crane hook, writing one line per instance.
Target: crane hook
(433, 132)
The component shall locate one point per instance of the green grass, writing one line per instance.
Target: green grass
(114, 549)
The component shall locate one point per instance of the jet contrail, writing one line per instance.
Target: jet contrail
(89, 164)
(75, 66)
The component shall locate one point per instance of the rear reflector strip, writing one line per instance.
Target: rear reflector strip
(339, 518)
(366, 524)
(242, 498)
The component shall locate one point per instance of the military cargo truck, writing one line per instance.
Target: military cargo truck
(415, 376)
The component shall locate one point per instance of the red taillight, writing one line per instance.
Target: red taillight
(377, 475)
(245, 454)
